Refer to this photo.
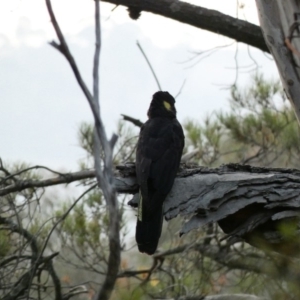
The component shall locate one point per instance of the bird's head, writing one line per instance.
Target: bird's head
(162, 105)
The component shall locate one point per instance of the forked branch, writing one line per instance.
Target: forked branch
(103, 163)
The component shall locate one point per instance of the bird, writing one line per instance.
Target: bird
(158, 154)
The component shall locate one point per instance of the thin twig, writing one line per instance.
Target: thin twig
(135, 122)
(149, 64)
(21, 185)
(181, 88)
(64, 49)
(63, 217)
(12, 176)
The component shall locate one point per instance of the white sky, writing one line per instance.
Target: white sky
(41, 104)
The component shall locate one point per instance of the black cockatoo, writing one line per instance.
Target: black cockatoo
(158, 155)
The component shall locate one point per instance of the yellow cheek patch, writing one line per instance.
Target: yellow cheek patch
(167, 105)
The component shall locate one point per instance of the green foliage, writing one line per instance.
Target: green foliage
(124, 150)
(206, 139)
(85, 224)
(5, 245)
(86, 137)
(126, 146)
(40, 230)
(260, 129)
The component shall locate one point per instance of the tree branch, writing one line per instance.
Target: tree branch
(244, 200)
(200, 17)
(149, 64)
(64, 49)
(24, 282)
(255, 264)
(66, 178)
(103, 163)
(135, 122)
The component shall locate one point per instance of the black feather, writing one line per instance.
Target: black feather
(159, 150)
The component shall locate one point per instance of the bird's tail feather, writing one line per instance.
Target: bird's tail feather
(148, 232)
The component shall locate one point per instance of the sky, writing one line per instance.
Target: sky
(42, 105)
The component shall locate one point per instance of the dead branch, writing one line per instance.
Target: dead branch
(135, 122)
(241, 199)
(263, 265)
(65, 178)
(104, 173)
(247, 202)
(149, 65)
(200, 17)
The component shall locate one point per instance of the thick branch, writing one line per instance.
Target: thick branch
(201, 17)
(242, 199)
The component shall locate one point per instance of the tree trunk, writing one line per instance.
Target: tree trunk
(280, 21)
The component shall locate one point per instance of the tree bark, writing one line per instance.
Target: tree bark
(280, 25)
(202, 18)
(258, 205)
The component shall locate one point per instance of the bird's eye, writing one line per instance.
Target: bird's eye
(167, 105)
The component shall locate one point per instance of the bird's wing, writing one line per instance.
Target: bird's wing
(163, 170)
(158, 155)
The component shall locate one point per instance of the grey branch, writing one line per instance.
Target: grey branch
(66, 178)
(241, 199)
(150, 65)
(247, 202)
(278, 21)
(104, 174)
(103, 164)
(200, 17)
(135, 122)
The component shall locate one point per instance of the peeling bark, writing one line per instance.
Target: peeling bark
(259, 205)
